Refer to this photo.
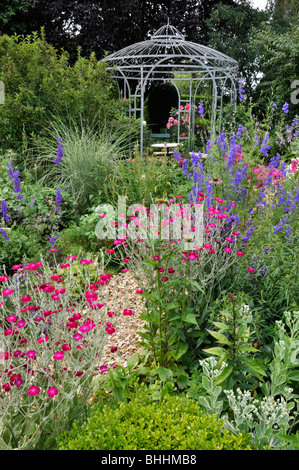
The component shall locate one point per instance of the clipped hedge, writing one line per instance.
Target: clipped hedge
(173, 424)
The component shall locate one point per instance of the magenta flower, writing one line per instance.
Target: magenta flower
(110, 330)
(128, 312)
(208, 246)
(18, 382)
(26, 298)
(58, 356)
(7, 292)
(42, 339)
(31, 354)
(52, 392)
(33, 390)
(11, 318)
(77, 336)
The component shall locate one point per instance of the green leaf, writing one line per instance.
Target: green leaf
(253, 365)
(291, 439)
(207, 384)
(294, 375)
(183, 348)
(182, 378)
(247, 348)
(172, 306)
(164, 374)
(197, 285)
(220, 337)
(132, 361)
(215, 351)
(224, 374)
(221, 326)
(190, 318)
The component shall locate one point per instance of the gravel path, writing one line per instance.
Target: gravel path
(121, 292)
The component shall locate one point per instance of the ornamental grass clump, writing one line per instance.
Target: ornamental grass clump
(52, 334)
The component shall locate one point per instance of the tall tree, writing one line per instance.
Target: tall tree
(231, 30)
(107, 25)
(13, 16)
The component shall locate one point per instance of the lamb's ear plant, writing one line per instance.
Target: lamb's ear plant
(213, 400)
(234, 339)
(271, 417)
(284, 367)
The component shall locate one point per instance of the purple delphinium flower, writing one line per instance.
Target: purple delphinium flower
(58, 200)
(208, 146)
(201, 110)
(265, 147)
(53, 239)
(195, 158)
(240, 131)
(285, 108)
(241, 90)
(5, 211)
(232, 152)
(209, 194)
(14, 176)
(248, 234)
(176, 155)
(274, 106)
(59, 154)
(185, 166)
(274, 162)
(4, 234)
(221, 143)
(257, 140)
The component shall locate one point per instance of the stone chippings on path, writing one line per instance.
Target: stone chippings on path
(120, 293)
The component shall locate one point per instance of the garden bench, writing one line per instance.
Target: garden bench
(160, 136)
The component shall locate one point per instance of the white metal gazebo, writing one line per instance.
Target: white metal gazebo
(168, 57)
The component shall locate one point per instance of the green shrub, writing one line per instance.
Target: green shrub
(19, 249)
(39, 83)
(173, 424)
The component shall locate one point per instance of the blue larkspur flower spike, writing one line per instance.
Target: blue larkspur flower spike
(201, 110)
(5, 211)
(4, 234)
(241, 90)
(59, 154)
(58, 200)
(14, 176)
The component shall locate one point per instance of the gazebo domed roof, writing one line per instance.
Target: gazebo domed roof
(168, 47)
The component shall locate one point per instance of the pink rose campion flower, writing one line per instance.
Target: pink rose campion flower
(7, 292)
(33, 390)
(42, 339)
(128, 312)
(11, 318)
(58, 356)
(31, 354)
(52, 392)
